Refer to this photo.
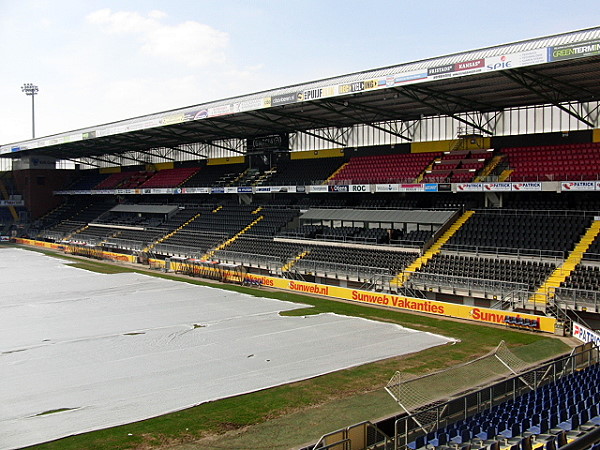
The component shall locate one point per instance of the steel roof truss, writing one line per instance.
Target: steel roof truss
(424, 95)
(540, 85)
(181, 150)
(325, 138)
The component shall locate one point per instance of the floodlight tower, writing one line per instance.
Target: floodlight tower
(31, 89)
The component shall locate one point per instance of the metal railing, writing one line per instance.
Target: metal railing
(349, 271)
(555, 255)
(271, 263)
(424, 420)
(577, 299)
(178, 250)
(515, 293)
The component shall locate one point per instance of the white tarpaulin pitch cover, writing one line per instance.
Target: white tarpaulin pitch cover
(81, 351)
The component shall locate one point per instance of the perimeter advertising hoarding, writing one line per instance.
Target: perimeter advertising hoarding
(195, 190)
(318, 189)
(339, 188)
(469, 187)
(567, 186)
(497, 187)
(486, 315)
(413, 187)
(585, 335)
(387, 188)
(360, 188)
(12, 203)
(529, 186)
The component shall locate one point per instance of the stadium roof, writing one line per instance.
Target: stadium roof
(551, 70)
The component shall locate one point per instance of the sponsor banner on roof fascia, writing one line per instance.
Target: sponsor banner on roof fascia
(387, 188)
(358, 86)
(360, 188)
(315, 93)
(584, 334)
(527, 186)
(567, 186)
(248, 105)
(221, 110)
(512, 60)
(497, 187)
(318, 188)
(410, 77)
(575, 50)
(284, 99)
(469, 187)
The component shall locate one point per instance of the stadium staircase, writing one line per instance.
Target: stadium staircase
(267, 175)
(231, 240)
(401, 278)
(80, 230)
(338, 170)
(167, 236)
(293, 262)
(488, 169)
(427, 169)
(562, 272)
(504, 175)
(13, 211)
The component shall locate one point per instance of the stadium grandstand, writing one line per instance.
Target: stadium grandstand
(465, 186)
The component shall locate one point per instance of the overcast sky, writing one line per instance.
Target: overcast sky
(102, 61)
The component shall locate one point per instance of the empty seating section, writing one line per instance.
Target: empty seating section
(322, 257)
(405, 167)
(458, 166)
(570, 162)
(135, 180)
(583, 278)
(300, 172)
(88, 181)
(530, 273)
(546, 417)
(72, 217)
(280, 251)
(217, 175)
(274, 219)
(593, 252)
(511, 232)
(169, 177)
(114, 180)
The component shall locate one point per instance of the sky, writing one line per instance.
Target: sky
(98, 61)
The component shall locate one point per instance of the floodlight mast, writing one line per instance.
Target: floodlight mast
(31, 89)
